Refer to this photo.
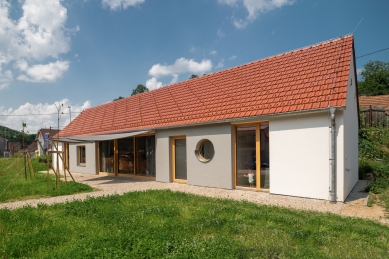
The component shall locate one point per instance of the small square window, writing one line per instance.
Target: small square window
(81, 155)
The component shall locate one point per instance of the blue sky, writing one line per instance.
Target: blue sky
(86, 53)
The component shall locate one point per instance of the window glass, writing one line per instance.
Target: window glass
(205, 150)
(265, 166)
(126, 156)
(246, 156)
(180, 159)
(145, 154)
(107, 156)
(81, 155)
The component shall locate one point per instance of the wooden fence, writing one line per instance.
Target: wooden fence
(374, 116)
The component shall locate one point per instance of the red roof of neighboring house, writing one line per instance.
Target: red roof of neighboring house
(14, 146)
(33, 146)
(310, 78)
(380, 100)
(51, 132)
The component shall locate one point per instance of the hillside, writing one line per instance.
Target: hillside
(14, 135)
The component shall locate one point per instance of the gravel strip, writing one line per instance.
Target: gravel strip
(107, 185)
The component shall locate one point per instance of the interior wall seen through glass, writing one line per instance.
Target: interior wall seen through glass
(126, 156)
(145, 153)
(245, 156)
(107, 156)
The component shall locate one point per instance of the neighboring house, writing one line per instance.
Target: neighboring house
(14, 147)
(379, 100)
(3, 145)
(265, 125)
(32, 147)
(43, 137)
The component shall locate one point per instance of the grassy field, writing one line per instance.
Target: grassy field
(166, 224)
(14, 188)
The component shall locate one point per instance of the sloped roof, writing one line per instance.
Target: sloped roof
(310, 78)
(33, 146)
(379, 100)
(52, 132)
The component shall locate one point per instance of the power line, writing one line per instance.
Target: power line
(34, 114)
(373, 52)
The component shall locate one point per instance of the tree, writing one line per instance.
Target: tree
(193, 76)
(120, 97)
(375, 77)
(139, 89)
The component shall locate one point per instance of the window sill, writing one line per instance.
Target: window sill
(81, 165)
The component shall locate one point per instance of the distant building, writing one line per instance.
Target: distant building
(3, 145)
(14, 147)
(43, 137)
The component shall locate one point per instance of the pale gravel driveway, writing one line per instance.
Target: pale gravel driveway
(107, 185)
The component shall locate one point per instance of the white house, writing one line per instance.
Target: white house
(43, 137)
(286, 124)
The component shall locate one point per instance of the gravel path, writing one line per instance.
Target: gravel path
(108, 185)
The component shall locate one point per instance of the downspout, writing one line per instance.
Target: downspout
(332, 158)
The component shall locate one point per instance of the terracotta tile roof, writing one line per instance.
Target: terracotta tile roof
(306, 79)
(380, 100)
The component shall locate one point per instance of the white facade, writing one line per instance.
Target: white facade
(90, 166)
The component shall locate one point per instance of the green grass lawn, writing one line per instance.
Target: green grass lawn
(166, 224)
(13, 188)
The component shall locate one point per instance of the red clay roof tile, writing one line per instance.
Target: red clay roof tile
(310, 78)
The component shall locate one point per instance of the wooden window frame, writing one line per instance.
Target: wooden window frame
(79, 158)
(173, 160)
(257, 155)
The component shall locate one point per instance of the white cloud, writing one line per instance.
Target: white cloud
(153, 83)
(174, 79)
(118, 4)
(220, 64)
(192, 49)
(213, 52)
(34, 122)
(254, 8)
(42, 73)
(232, 57)
(38, 34)
(359, 71)
(6, 78)
(180, 66)
(220, 33)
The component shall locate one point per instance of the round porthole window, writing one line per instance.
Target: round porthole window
(205, 150)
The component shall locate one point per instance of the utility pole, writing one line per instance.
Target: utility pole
(70, 114)
(59, 116)
(24, 125)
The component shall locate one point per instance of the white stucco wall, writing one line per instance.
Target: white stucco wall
(90, 166)
(216, 173)
(300, 152)
(351, 136)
